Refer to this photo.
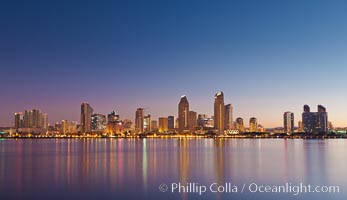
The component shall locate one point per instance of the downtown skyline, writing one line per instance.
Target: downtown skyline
(266, 58)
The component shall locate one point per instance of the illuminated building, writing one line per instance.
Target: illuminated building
(139, 119)
(86, 118)
(240, 125)
(288, 122)
(219, 112)
(147, 121)
(301, 126)
(228, 120)
(315, 122)
(114, 124)
(33, 119)
(163, 125)
(253, 125)
(45, 121)
(68, 127)
(154, 125)
(183, 112)
(192, 120)
(171, 121)
(98, 122)
(201, 120)
(18, 120)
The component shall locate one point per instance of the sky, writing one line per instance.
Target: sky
(267, 56)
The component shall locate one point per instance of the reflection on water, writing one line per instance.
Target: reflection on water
(134, 168)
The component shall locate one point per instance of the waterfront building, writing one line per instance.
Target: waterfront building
(99, 122)
(147, 124)
(192, 121)
(139, 120)
(86, 117)
(240, 125)
(171, 121)
(183, 112)
(253, 125)
(219, 112)
(315, 122)
(18, 120)
(228, 120)
(163, 125)
(288, 122)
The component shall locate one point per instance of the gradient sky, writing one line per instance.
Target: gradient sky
(267, 57)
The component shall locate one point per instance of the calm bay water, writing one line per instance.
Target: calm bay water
(134, 168)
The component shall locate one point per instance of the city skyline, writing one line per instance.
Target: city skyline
(120, 56)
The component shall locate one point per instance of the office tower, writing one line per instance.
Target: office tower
(98, 122)
(86, 118)
(288, 122)
(183, 112)
(139, 118)
(201, 120)
(65, 126)
(163, 125)
(154, 125)
(253, 125)
(322, 119)
(315, 122)
(45, 121)
(219, 112)
(301, 126)
(228, 120)
(33, 119)
(112, 117)
(114, 124)
(171, 121)
(18, 120)
(192, 120)
(147, 123)
(239, 125)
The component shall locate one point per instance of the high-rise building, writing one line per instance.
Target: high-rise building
(219, 112)
(192, 120)
(239, 125)
(98, 122)
(288, 122)
(301, 126)
(183, 112)
(147, 123)
(139, 119)
(163, 125)
(154, 125)
(45, 121)
(171, 121)
(253, 125)
(86, 117)
(18, 120)
(228, 120)
(201, 120)
(33, 119)
(315, 122)
(114, 124)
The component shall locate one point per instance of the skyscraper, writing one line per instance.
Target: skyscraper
(147, 123)
(45, 121)
(239, 125)
(98, 122)
(288, 122)
(163, 125)
(315, 122)
(33, 119)
(253, 125)
(86, 117)
(228, 120)
(192, 120)
(18, 120)
(219, 112)
(171, 121)
(139, 119)
(183, 112)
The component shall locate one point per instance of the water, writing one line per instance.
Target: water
(134, 168)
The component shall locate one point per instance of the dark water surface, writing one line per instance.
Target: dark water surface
(134, 168)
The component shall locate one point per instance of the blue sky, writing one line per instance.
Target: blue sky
(267, 56)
